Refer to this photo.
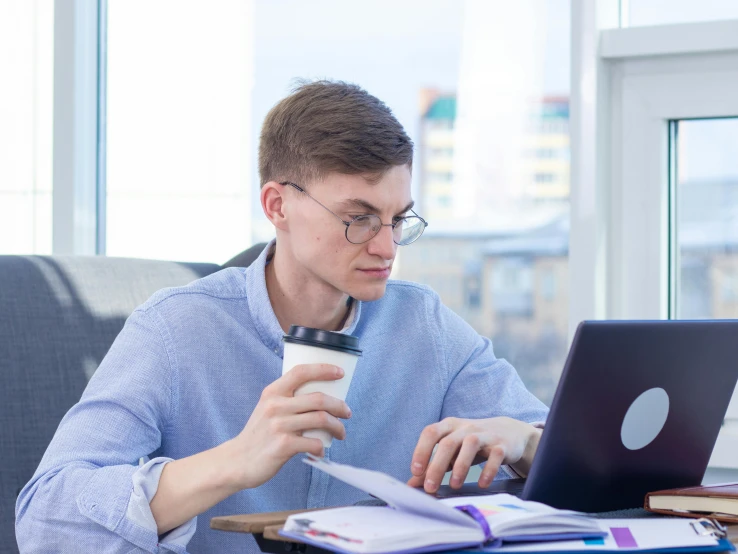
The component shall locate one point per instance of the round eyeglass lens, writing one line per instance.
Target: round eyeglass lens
(363, 228)
(366, 227)
(412, 228)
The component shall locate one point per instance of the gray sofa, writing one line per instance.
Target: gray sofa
(58, 317)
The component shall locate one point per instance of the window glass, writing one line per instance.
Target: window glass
(179, 152)
(707, 218)
(26, 108)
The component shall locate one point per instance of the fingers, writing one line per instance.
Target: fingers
(310, 420)
(317, 402)
(301, 374)
(496, 456)
(416, 481)
(470, 446)
(430, 436)
(303, 445)
(442, 460)
(467, 455)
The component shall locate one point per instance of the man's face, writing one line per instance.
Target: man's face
(318, 239)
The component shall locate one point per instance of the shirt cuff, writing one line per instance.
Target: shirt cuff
(105, 500)
(145, 484)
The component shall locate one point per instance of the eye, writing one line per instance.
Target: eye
(362, 220)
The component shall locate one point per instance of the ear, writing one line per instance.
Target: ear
(272, 202)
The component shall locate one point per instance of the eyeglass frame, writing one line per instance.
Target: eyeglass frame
(348, 223)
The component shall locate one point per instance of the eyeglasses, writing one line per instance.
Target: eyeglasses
(363, 228)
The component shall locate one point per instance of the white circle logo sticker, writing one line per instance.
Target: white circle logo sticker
(644, 419)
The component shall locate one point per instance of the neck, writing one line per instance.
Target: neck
(297, 300)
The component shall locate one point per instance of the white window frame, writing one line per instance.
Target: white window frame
(627, 84)
(647, 94)
(78, 188)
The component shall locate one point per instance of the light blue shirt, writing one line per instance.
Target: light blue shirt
(185, 374)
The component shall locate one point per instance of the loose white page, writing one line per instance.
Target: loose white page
(395, 493)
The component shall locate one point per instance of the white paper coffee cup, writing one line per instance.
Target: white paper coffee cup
(304, 345)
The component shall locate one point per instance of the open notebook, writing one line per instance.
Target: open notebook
(413, 521)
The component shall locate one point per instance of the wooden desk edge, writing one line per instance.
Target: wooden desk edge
(254, 523)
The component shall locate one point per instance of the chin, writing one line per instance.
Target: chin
(368, 293)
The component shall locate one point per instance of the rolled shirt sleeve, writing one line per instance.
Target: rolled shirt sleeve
(145, 485)
(89, 492)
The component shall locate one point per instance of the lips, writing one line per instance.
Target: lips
(379, 272)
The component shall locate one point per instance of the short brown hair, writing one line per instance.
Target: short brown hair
(330, 127)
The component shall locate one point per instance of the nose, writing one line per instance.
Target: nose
(383, 244)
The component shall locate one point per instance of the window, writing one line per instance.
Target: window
(706, 218)
(180, 171)
(26, 108)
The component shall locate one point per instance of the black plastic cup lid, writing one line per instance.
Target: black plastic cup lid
(323, 339)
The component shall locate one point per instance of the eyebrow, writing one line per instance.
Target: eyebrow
(360, 204)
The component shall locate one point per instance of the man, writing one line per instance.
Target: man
(194, 378)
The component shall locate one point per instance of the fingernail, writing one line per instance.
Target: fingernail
(339, 372)
(349, 412)
(417, 468)
(455, 481)
(430, 485)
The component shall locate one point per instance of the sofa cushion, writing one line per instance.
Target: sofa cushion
(58, 317)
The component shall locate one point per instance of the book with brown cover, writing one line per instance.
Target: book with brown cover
(718, 502)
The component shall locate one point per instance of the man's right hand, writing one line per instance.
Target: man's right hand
(273, 433)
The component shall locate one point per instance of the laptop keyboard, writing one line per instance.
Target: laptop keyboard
(509, 486)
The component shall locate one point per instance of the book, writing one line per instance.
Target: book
(414, 521)
(719, 502)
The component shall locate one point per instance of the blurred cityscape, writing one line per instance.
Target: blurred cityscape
(504, 269)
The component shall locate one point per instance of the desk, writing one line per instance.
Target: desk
(266, 526)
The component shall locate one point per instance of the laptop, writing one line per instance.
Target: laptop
(638, 409)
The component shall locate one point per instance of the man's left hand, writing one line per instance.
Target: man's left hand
(463, 443)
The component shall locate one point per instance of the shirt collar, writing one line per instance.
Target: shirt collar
(260, 307)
